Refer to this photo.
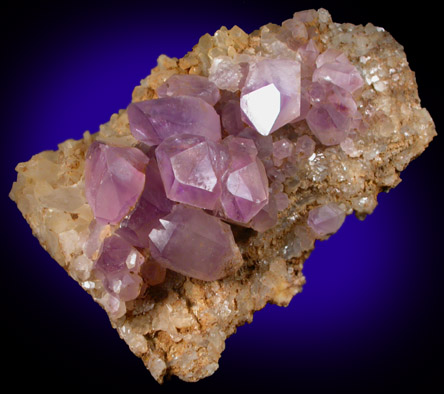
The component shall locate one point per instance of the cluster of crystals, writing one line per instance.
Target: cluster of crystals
(207, 157)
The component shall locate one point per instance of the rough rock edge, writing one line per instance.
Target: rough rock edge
(179, 327)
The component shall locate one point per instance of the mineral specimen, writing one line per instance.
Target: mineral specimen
(199, 203)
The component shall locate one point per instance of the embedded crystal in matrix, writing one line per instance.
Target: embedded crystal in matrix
(214, 183)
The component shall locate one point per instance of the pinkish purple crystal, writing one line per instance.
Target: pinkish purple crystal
(282, 201)
(231, 117)
(271, 96)
(114, 180)
(118, 268)
(152, 121)
(191, 167)
(304, 147)
(326, 219)
(282, 149)
(308, 54)
(195, 244)
(332, 114)
(190, 85)
(264, 144)
(333, 66)
(245, 184)
(325, 124)
(152, 205)
(331, 55)
(266, 218)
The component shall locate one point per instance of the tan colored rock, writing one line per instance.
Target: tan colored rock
(179, 327)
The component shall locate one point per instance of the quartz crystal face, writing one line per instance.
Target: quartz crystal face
(191, 168)
(271, 95)
(153, 121)
(245, 184)
(199, 203)
(195, 244)
(190, 85)
(114, 179)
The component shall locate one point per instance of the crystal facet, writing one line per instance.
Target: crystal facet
(191, 167)
(245, 184)
(333, 66)
(326, 219)
(114, 180)
(152, 205)
(195, 244)
(271, 96)
(118, 266)
(190, 85)
(152, 121)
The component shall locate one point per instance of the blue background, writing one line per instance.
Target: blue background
(369, 318)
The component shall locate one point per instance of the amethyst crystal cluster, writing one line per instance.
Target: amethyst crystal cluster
(209, 156)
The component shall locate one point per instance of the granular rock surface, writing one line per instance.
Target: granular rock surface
(179, 327)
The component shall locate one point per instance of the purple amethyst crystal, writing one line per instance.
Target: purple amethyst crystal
(152, 121)
(266, 218)
(333, 66)
(195, 244)
(152, 205)
(282, 149)
(155, 199)
(114, 180)
(326, 219)
(332, 115)
(245, 184)
(304, 147)
(190, 85)
(271, 96)
(231, 117)
(191, 167)
(118, 268)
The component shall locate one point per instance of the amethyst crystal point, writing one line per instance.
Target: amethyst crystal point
(332, 114)
(304, 147)
(282, 149)
(152, 121)
(266, 218)
(323, 122)
(245, 184)
(264, 144)
(308, 54)
(118, 267)
(153, 204)
(326, 219)
(195, 244)
(191, 167)
(271, 96)
(114, 180)
(190, 85)
(333, 66)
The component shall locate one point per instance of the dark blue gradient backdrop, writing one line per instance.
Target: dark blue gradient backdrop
(369, 318)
